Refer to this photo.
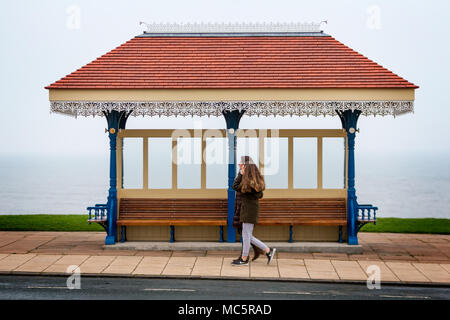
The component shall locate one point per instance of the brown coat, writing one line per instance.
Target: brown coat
(249, 208)
(237, 212)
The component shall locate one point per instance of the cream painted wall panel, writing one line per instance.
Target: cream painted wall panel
(271, 233)
(148, 233)
(316, 233)
(197, 233)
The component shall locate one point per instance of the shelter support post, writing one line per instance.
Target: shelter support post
(349, 119)
(232, 119)
(116, 120)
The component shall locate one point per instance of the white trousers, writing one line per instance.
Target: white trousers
(247, 238)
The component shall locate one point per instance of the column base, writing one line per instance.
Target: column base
(352, 240)
(110, 240)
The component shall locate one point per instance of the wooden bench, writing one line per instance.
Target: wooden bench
(306, 212)
(213, 212)
(172, 212)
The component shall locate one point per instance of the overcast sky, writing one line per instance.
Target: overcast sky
(41, 42)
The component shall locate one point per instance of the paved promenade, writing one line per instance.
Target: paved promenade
(402, 258)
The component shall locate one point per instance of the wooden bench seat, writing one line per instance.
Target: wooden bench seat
(305, 212)
(173, 212)
(213, 212)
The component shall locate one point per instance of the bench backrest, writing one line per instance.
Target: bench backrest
(131, 208)
(302, 210)
(281, 209)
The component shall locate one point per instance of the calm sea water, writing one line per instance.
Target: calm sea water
(401, 186)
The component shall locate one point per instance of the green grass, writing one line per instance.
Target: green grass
(47, 222)
(399, 225)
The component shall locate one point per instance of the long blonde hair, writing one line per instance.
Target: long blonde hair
(252, 177)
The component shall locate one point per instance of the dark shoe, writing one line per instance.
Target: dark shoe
(270, 255)
(240, 257)
(257, 252)
(240, 262)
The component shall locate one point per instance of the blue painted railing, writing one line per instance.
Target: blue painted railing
(366, 213)
(98, 214)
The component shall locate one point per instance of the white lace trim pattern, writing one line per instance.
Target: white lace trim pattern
(215, 108)
(204, 27)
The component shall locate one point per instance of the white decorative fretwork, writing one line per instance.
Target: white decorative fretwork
(215, 108)
(250, 27)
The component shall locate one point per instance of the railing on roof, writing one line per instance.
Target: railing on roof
(251, 27)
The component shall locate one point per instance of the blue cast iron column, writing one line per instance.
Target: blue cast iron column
(349, 121)
(232, 119)
(116, 120)
(122, 124)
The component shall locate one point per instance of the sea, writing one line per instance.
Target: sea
(404, 186)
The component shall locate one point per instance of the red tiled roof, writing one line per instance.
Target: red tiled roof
(231, 62)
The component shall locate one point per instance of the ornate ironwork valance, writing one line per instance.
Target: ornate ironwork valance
(215, 108)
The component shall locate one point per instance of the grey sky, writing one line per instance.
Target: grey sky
(40, 45)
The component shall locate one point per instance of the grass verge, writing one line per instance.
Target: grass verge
(47, 222)
(400, 225)
(50, 222)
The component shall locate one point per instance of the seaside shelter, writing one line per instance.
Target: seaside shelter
(230, 71)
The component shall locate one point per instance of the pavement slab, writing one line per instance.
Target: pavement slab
(349, 270)
(96, 264)
(335, 256)
(24, 245)
(6, 241)
(13, 261)
(292, 268)
(223, 253)
(159, 253)
(294, 255)
(228, 270)
(122, 265)
(38, 263)
(385, 273)
(151, 265)
(260, 269)
(208, 266)
(62, 265)
(405, 258)
(181, 266)
(397, 257)
(406, 271)
(434, 272)
(321, 269)
(366, 257)
(188, 253)
(446, 267)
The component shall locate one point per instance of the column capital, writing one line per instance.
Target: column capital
(233, 118)
(349, 120)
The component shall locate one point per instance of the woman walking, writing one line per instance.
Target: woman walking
(250, 184)
(237, 224)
